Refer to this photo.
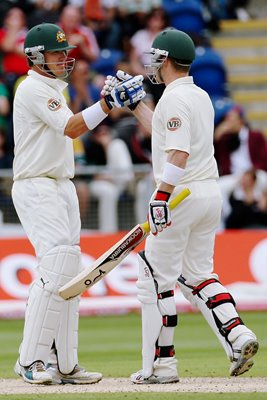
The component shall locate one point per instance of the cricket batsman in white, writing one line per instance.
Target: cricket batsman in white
(47, 205)
(182, 127)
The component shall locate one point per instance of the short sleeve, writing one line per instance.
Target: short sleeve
(50, 108)
(176, 119)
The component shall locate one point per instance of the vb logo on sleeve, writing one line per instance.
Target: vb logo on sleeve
(53, 104)
(173, 124)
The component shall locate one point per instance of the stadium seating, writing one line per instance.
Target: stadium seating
(185, 15)
(221, 107)
(106, 63)
(209, 71)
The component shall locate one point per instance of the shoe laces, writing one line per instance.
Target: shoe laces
(37, 366)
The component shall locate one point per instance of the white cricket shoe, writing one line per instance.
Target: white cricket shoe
(139, 378)
(35, 373)
(78, 376)
(244, 348)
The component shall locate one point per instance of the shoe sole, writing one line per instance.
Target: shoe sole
(156, 381)
(77, 382)
(61, 380)
(248, 350)
(35, 382)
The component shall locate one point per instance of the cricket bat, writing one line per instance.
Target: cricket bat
(112, 257)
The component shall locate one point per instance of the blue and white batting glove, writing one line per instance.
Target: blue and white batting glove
(159, 216)
(123, 79)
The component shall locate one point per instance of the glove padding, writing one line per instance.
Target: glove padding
(159, 216)
(112, 82)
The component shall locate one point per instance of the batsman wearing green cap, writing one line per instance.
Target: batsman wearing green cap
(181, 244)
(47, 204)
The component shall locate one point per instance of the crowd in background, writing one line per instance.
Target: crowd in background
(115, 34)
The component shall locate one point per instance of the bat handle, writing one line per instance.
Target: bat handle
(174, 203)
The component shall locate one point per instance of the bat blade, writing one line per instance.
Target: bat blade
(103, 264)
(112, 257)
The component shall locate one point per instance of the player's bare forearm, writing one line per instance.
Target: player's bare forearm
(177, 158)
(144, 115)
(76, 125)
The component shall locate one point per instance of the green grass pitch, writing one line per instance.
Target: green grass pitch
(112, 345)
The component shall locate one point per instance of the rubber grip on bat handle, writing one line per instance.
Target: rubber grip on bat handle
(174, 203)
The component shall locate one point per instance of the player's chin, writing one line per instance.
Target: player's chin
(60, 72)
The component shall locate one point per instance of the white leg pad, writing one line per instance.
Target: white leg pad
(151, 316)
(167, 307)
(41, 319)
(67, 336)
(59, 266)
(207, 314)
(45, 308)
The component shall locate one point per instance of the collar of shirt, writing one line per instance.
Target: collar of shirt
(180, 81)
(54, 83)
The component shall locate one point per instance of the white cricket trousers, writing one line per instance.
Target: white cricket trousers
(187, 246)
(49, 212)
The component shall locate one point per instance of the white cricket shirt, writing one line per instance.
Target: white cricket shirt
(184, 120)
(40, 117)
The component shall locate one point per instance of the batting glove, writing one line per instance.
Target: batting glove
(159, 216)
(112, 82)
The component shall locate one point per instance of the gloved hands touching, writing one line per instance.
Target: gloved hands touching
(159, 216)
(134, 89)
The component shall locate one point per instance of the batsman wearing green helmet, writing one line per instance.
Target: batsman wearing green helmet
(180, 247)
(47, 205)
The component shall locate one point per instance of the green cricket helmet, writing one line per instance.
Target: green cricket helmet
(170, 43)
(47, 37)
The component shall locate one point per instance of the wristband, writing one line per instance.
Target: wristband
(172, 174)
(162, 196)
(93, 115)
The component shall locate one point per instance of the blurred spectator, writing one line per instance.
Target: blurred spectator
(6, 5)
(138, 141)
(101, 149)
(141, 41)
(12, 36)
(133, 16)
(140, 45)
(225, 9)
(4, 106)
(82, 91)
(139, 145)
(248, 204)
(236, 9)
(103, 18)
(44, 11)
(237, 147)
(145, 6)
(6, 158)
(78, 34)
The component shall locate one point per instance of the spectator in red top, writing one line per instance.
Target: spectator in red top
(78, 34)
(237, 147)
(12, 36)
